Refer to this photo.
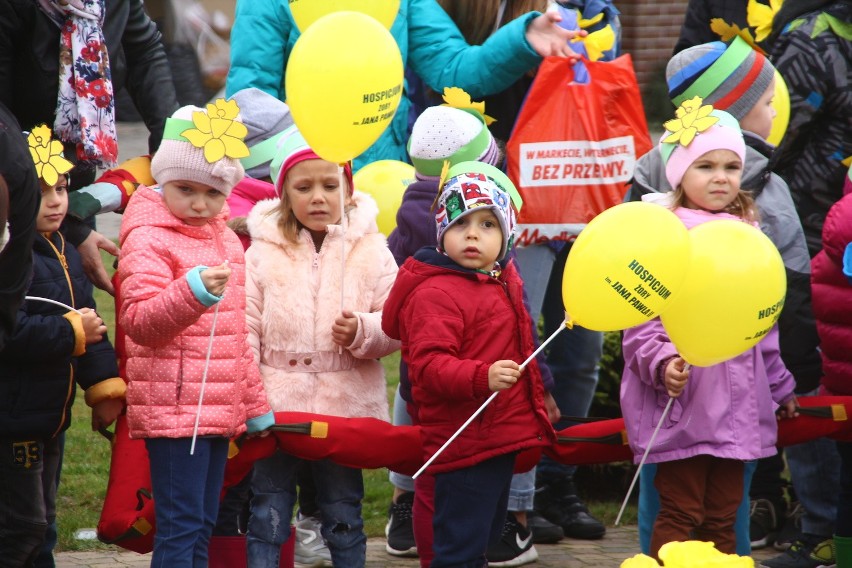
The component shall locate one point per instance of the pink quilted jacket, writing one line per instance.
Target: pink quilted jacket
(168, 329)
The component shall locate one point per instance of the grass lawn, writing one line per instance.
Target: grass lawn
(86, 469)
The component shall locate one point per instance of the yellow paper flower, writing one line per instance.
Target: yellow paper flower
(218, 131)
(760, 17)
(597, 42)
(692, 117)
(47, 155)
(456, 97)
(727, 32)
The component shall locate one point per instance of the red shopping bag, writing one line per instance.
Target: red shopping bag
(574, 146)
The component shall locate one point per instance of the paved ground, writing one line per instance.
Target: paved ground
(618, 545)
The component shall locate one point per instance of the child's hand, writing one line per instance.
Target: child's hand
(93, 325)
(503, 374)
(106, 412)
(216, 278)
(553, 412)
(788, 410)
(344, 329)
(675, 377)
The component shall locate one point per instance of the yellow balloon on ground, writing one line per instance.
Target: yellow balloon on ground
(344, 84)
(781, 105)
(732, 295)
(306, 12)
(625, 267)
(386, 181)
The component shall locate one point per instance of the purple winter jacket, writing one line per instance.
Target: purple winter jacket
(726, 410)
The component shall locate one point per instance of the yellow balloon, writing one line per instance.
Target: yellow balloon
(344, 84)
(732, 295)
(306, 12)
(781, 104)
(625, 267)
(386, 181)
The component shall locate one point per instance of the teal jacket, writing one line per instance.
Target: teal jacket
(430, 43)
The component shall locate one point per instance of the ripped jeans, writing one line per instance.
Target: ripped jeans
(339, 493)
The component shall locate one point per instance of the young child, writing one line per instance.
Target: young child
(178, 261)
(51, 349)
(702, 438)
(315, 331)
(464, 329)
(832, 286)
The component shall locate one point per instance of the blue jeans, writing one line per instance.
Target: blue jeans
(573, 356)
(339, 493)
(45, 558)
(186, 490)
(649, 506)
(521, 492)
(470, 510)
(844, 500)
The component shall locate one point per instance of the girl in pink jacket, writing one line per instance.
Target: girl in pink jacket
(315, 354)
(192, 379)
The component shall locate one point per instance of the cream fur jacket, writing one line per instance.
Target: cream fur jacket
(293, 298)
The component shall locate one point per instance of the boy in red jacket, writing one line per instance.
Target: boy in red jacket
(460, 315)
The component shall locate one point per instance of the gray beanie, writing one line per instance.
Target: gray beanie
(731, 77)
(266, 119)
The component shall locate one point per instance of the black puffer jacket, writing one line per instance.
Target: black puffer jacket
(37, 368)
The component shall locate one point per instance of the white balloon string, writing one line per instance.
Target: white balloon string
(204, 378)
(49, 301)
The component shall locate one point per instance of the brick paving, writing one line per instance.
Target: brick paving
(619, 544)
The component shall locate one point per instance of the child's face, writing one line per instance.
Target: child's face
(474, 241)
(312, 188)
(54, 205)
(759, 118)
(192, 202)
(712, 182)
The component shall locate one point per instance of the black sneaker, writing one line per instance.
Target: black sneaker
(543, 531)
(808, 551)
(559, 503)
(399, 530)
(791, 529)
(763, 523)
(515, 547)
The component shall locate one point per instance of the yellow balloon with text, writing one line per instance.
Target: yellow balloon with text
(344, 83)
(386, 181)
(306, 12)
(625, 267)
(732, 296)
(781, 105)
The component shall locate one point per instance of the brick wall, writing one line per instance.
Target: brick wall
(650, 29)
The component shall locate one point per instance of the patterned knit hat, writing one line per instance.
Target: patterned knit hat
(266, 119)
(470, 186)
(731, 77)
(698, 129)
(292, 149)
(447, 133)
(203, 145)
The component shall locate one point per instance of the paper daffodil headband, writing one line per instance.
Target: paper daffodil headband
(47, 155)
(216, 130)
(691, 117)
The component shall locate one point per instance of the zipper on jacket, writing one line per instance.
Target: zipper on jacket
(62, 261)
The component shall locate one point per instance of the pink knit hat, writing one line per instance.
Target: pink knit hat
(697, 130)
(203, 145)
(292, 149)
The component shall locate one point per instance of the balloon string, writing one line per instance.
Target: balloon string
(204, 379)
(49, 301)
(343, 189)
(485, 404)
(645, 455)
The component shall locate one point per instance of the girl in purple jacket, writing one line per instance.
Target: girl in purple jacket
(722, 415)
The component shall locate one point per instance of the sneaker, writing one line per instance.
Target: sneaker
(543, 531)
(559, 503)
(763, 523)
(515, 547)
(791, 529)
(310, 548)
(399, 530)
(805, 553)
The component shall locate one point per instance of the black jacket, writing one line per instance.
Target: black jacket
(37, 368)
(18, 172)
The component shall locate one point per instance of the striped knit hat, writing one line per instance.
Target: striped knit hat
(292, 149)
(731, 77)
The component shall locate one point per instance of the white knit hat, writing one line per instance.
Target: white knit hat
(189, 142)
(447, 133)
(266, 119)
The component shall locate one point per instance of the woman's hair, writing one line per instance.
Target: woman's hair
(477, 19)
(742, 206)
(287, 222)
